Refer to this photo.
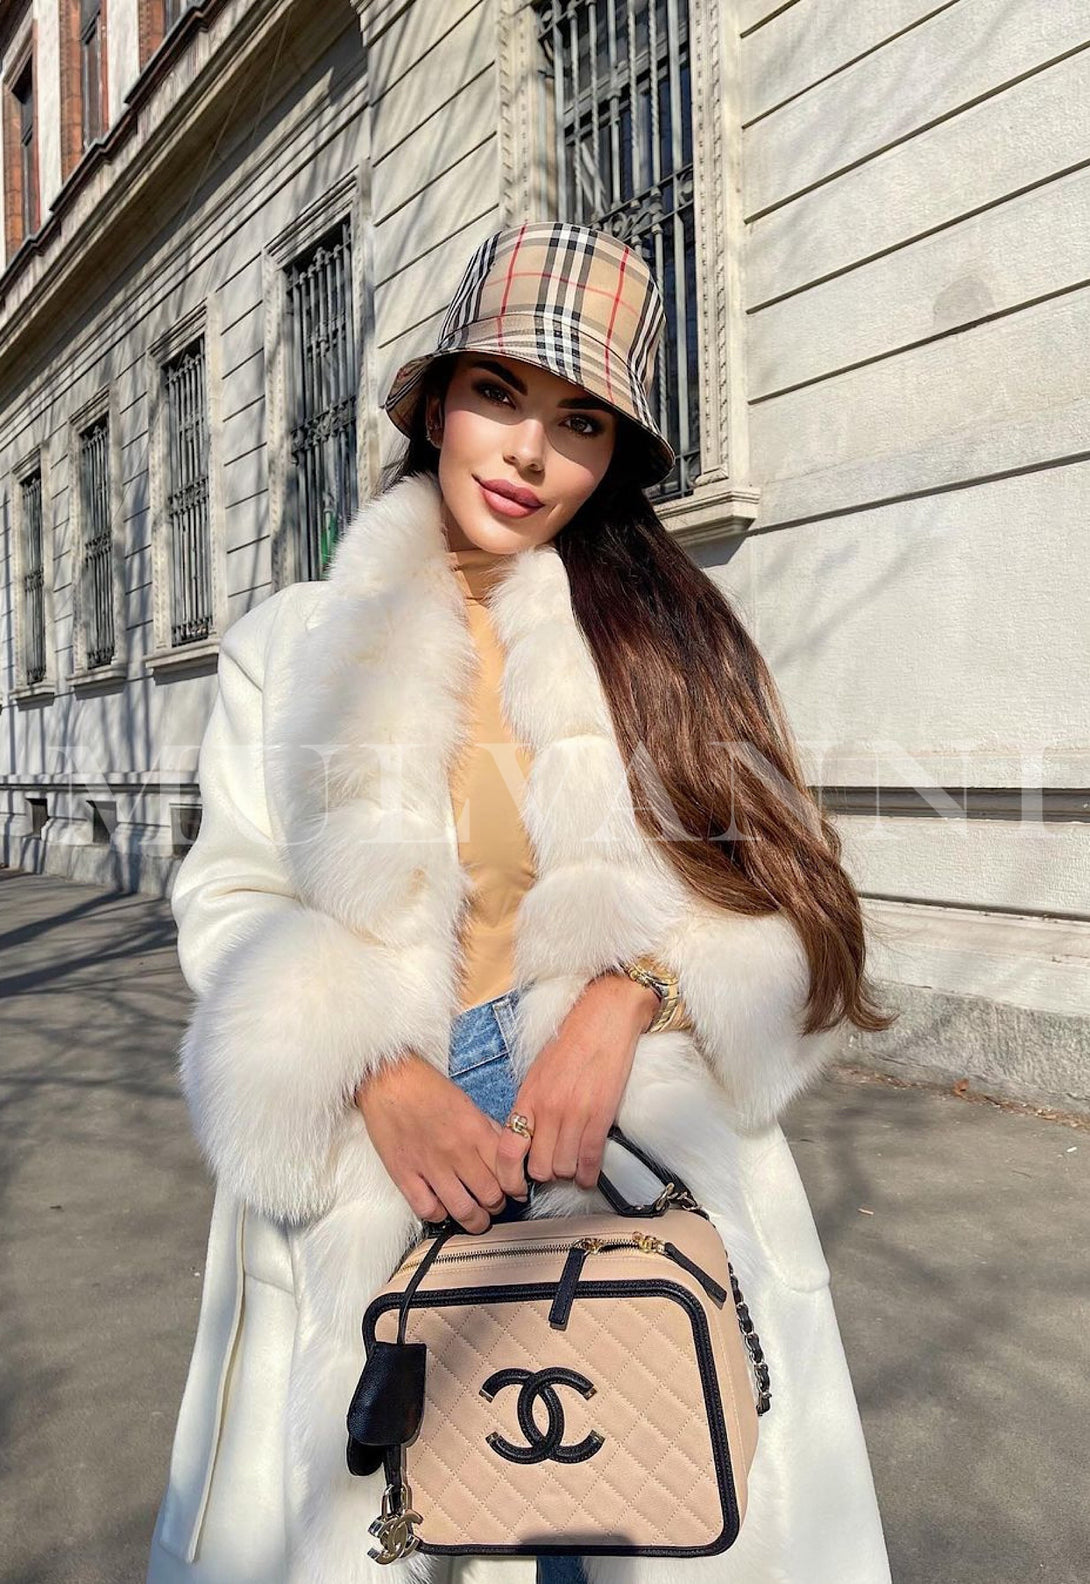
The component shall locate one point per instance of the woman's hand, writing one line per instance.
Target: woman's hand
(572, 1092)
(436, 1143)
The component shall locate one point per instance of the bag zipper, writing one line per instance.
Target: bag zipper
(645, 1242)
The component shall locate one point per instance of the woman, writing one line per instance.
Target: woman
(404, 1014)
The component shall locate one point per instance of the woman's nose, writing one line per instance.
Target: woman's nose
(527, 447)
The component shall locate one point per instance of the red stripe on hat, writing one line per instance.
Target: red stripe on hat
(507, 282)
(613, 320)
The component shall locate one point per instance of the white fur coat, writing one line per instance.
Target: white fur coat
(318, 916)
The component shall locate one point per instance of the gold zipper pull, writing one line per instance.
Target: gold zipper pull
(591, 1244)
(648, 1244)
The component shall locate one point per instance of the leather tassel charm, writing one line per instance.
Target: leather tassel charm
(388, 1403)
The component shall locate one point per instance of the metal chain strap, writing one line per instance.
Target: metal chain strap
(753, 1343)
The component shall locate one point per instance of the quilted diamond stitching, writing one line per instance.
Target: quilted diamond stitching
(469, 1486)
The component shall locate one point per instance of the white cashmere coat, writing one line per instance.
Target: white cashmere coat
(318, 917)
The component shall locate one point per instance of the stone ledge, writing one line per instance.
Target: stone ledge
(187, 657)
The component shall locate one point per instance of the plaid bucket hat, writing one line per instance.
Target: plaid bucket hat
(569, 299)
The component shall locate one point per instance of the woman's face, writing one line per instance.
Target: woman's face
(511, 423)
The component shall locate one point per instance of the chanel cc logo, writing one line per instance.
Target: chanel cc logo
(532, 1386)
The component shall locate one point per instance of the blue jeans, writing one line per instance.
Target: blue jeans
(480, 1064)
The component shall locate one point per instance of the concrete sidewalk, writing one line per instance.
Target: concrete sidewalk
(956, 1231)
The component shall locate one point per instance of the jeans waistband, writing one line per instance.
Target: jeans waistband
(502, 1008)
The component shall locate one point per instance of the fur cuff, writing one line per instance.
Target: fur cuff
(744, 980)
(298, 1013)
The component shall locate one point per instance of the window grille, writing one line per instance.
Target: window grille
(97, 564)
(187, 496)
(322, 399)
(91, 69)
(33, 580)
(622, 96)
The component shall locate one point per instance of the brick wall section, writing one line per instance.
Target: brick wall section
(151, 28)
(71, 88)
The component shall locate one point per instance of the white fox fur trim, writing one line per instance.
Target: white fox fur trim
(301, 1012)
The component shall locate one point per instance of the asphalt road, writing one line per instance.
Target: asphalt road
(956, 1231)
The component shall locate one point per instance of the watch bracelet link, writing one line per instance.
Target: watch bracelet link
(646, 970)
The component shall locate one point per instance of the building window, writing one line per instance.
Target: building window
(38, 809)
(96, 568)
(28, 156)
(619, 72)
(33, 622)
(321, 397)
(28, 151)
(91, 70)
(190, 554)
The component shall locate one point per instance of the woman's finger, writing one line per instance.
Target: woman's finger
(480, 1179)
(566, 1153)
(511, 1151)
(539, 1162)
(591, 1149)
(422, 1200)
(460, 1203)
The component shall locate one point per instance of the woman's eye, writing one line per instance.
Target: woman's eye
(490, 391)
(487, 389)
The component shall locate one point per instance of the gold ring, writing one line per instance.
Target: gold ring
(519, 1124)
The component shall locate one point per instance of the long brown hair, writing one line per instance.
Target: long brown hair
(711, 762)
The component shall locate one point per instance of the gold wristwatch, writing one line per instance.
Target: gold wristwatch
(657, 977)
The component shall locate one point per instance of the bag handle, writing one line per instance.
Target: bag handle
(675, 1192)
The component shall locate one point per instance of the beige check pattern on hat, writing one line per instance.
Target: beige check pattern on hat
(569, 299)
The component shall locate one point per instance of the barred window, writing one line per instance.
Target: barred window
(188, 530)
(91, 44)
(321, 397)
(622, 96)
(172, 10)
(33, 579)
(96, 569)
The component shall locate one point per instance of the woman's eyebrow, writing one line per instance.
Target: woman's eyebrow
(513, 379)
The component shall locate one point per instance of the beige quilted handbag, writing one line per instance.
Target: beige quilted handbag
(572, 1384)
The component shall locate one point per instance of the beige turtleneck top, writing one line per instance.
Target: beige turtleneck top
(486, 787)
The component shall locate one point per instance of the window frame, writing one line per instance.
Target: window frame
(342, 201)
(36, 460)
(104, 404)
(89, 135)
(203, 321)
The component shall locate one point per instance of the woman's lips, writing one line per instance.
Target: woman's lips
(504, 505)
